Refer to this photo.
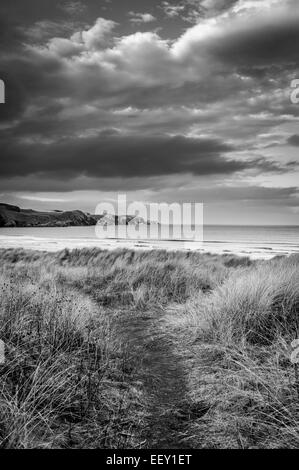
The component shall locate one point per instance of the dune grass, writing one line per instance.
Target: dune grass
(241, 334)
(71, 379)
(65, 381)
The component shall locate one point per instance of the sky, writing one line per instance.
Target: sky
(179, 101)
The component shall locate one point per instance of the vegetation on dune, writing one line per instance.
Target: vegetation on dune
(257, 305)
(243, 331)
(98, 343)
(65, 381)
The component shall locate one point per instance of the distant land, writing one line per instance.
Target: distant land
(14, 216)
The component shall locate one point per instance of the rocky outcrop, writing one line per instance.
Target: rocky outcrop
(109, 219)
(13, 216)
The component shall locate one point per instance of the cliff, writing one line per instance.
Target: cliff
(13, 216)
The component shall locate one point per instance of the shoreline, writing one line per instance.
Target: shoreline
(263, 243)
(217, 248)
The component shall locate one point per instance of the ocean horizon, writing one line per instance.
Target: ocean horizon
(257, 241)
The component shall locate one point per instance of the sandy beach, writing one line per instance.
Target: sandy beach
(256, 242)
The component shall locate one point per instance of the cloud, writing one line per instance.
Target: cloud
(110, 155)
(96, 103)
(193, 11)
(258, 39)
(235, 193)
(141, 17)
(85, 162)
(293, 140)
(172, 10)
(44, 30)
(94, 63)
(73, 8)
(221, 46)
(96, 37)
(11, 36)
(215, 6)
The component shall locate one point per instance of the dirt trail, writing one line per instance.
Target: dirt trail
(163, 378)
(159, 369)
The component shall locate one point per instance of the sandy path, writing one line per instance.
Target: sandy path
(161, 374)
(163, 380)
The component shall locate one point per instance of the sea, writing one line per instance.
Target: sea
(253, 241)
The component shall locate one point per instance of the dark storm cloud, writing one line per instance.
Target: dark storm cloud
(10, 35)
(112, 156)
(26, 81)
(266, 44)
(293, 140)
(144, 71)
(120, 156)
(253, 42)
(102, 104)
(15, 97)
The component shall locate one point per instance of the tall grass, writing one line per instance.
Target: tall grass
(256, 305)
(71, 379)
(245, 328)
(64, 362)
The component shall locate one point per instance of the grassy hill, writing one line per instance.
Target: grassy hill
(13, 216)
